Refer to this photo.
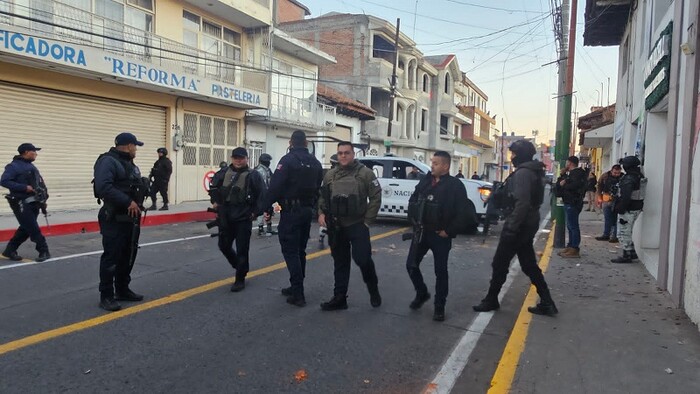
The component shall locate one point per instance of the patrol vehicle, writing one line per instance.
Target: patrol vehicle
(398, 181)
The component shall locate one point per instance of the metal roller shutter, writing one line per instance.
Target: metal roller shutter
(72, 131)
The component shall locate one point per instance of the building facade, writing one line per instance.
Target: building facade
(475, 141)
(74, 73)
(656, 119)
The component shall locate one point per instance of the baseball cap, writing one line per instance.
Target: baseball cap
(239, 152)
(126, 139)
(298, 137)
(26, 147)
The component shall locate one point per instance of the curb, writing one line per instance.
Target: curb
(93, 226)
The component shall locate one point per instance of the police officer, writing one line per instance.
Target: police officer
(349, 203)
(160, 174)
(606, 191)
(237, 196)
(628, 205)
(118, 183)
(434, 208)
(322, 231)
(295, 185)
(28, 195)
(264, 170)
(520, 198)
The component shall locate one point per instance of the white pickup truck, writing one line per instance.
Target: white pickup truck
(398, 184)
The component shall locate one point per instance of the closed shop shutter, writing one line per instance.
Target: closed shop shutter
(72, 131)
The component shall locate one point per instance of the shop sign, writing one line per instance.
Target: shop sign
(656, 70)
(95, 60)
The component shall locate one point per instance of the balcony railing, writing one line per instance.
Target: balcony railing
(298, 111)
(54, 20)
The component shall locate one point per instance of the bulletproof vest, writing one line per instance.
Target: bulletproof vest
(133, 184)
(346, 199)
(640, 188)
(235, 187)
(610, 184)
(306, 178)
(41, 193)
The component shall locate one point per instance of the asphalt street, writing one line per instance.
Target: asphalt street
(192, 334)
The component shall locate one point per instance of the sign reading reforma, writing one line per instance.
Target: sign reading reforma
(656, 70)
(91, 59)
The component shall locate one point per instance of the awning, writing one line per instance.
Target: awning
(599, 137)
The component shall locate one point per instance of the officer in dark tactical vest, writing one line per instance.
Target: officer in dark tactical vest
(264, 170)
(160, 174)
(349, 203)
(237, 193)
(295, 186)
(520, 198)
(118, 184)
(435, 208)
(628, 204)
(28, 195)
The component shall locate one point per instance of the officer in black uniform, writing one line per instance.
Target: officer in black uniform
(435, 209)
(160, 174)
(520, 198)
(237, 194)
(295, 186)
(28, 195)
(118, 183)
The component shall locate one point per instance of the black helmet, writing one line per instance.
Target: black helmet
(334, 159)
(163, 151)
(523, 151)
(265, 157)
(630, 162)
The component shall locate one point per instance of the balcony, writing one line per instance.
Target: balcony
(245, 13)
(296, 112)
(96, 36)
(377, 129)
(379, 73)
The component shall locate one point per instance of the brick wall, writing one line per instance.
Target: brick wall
(288, 11)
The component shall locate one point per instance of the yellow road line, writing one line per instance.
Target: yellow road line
(505, 373)
(89, 323)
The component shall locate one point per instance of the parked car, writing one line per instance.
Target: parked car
(398, 182)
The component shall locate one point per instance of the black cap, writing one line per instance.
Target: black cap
(298, 138)
(239, 152)
(163, 151)
(126, 139)
(266, 157)
(573, 159)
(27, 147)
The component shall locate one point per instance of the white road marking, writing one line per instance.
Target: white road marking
(445, 379)
(72, 256)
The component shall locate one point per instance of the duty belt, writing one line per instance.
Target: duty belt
(297, 203)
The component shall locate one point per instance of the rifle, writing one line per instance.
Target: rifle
(415, 215)
(214, 223)
(331, 229)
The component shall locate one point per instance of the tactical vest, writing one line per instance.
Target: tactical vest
(133, 185)
(306, 178)
(640, 189)
(235, 187)
(346, 199)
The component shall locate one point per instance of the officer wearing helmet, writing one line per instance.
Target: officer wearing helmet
(520, 198)
(160, 176)
(264, 169)
(628, 205)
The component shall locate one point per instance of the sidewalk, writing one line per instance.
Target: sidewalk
(85, 221)
(615, 332)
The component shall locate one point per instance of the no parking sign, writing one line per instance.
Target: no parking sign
(207, 179)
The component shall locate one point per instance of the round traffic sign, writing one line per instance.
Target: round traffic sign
(207, 180)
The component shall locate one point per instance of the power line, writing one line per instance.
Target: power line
(491, 8)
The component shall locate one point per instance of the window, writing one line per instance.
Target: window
(444, 124)
(208, 139)
(423, 119)
(383, 49)
(292, 86)
(456, 133)
(447, 83)
(426, 83)
(221, 46)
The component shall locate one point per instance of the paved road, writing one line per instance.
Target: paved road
(212, 340)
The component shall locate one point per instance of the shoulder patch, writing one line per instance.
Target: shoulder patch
(279, 166)
(375, 182)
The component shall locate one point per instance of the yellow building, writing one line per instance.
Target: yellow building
(178, 74)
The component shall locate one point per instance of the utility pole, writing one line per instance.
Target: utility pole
(387, 143)
(567, 43)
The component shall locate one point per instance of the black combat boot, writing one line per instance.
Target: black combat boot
(487, 304)
(544, 308)
(624, 259)
(238, 285)
(296, 300)
(633, 255)
(164, 207)
(128, 295)
(43, 256)
(12, 255)
(109, 304)
(270, 231)
(153, 207)
(338, 302)
(261, 231)
(420, 299)
(439, 313)
(375, 299)
(287, 291)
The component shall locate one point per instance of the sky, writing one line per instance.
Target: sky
(508, 66)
